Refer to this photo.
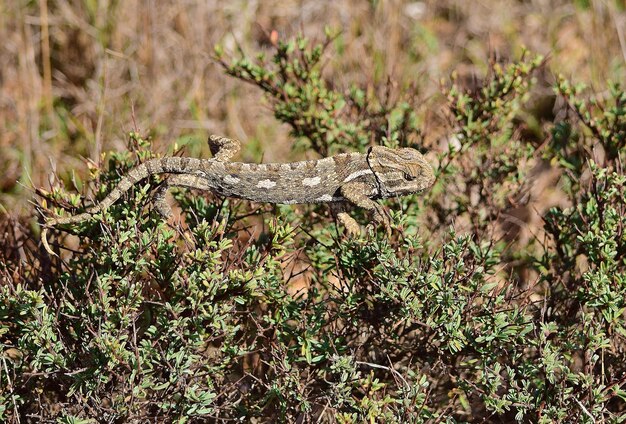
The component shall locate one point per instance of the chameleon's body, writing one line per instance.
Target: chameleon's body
(355, 178)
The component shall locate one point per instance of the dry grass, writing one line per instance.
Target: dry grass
(77, 75)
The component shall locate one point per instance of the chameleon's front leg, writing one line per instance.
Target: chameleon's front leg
(354, 192)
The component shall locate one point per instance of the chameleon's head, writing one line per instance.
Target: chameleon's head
(400, 171)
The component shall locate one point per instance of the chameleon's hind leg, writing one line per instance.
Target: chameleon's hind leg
(223, 149)
(178, 180)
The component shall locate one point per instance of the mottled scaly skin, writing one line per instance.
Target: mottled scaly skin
(355, 178)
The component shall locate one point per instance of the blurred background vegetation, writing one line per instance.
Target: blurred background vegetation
(499, 297)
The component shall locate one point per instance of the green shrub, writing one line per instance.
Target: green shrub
(257, 311)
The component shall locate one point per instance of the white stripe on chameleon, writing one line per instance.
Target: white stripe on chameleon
(357, 174)
(311, 182)
(329, 198)
(229, 179)
(266, 184)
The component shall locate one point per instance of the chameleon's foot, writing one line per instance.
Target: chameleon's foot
(164, 210)
(382, 218)
(160, 202)
(223, 149)
(354, 192)
(352, 227)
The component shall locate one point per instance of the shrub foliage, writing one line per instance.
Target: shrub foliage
(245, 311)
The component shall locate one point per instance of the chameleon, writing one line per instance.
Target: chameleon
(347, 178)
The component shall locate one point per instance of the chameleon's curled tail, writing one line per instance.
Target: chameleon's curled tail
(62, 221)
(176, 165)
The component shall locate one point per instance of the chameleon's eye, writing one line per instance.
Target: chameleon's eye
(408, 177)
